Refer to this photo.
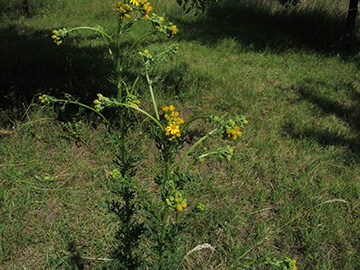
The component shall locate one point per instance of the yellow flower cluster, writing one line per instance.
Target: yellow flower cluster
(173, 29)
(146, 55)
(124, 9)
(115, 174)
(58, 35)
(145, 8)
(177, 201)
(101, 102)
(232, 130)
(174, 122)
(45, 99)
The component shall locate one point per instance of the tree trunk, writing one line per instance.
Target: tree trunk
(26, 10)
(350, 24)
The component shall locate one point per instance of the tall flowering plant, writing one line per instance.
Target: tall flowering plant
(149, 224)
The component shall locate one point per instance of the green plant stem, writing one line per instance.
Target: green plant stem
(144, 112)
(152, 96)
(137, 42)
(122, 138)
(192, 120)
(90, 108)
(198, 142)
(166, 210)
(162, 237)
(92, 29)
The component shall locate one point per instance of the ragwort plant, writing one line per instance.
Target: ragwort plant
(149, 224)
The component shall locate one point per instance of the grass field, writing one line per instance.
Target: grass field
(292, 188)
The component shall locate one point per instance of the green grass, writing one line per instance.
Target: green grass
(291, 190)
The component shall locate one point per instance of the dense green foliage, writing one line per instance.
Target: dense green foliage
(291, 190)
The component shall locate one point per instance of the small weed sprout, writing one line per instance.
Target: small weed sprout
(162, 219)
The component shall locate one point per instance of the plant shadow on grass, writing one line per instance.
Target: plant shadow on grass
(349, 114)
(75, 260)
(31, 64)
(255, 27)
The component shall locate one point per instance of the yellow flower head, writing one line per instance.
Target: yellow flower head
(179, 208)
(165, 108)
(172, 128)
(135, 2)
(174, 114)
(178, 121)
(173, 29)
(171, 108)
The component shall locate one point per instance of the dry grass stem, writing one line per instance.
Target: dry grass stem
(200, 247)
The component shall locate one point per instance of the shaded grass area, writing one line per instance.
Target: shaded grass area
(291, 190)
(265, 25)
(34, 65)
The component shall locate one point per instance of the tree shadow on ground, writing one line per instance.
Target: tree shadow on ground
(31, 64)
(255, 27)
(347, 114)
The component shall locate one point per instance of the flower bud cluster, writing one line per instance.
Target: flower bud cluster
(173, 48)
(59, 35)
(159, 23)
(200, 207)
(132, 100)
(177, 201)
(124, 9)
(172, 30)
(174, 122)
(146, 55)
(226, 152)
(221, 152)
(101, 102)
(231, 128)
(46, 99)
(115, 174)
(145, 8)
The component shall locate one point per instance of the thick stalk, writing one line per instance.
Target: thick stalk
(152, 96)
(166, 209)
(162, 237)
